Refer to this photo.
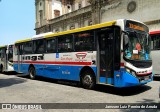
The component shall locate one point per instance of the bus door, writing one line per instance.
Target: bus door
(4, 58)
(19, 57)
(107, 54)
(105, 40)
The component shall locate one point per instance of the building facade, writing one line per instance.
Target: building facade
(61, 15)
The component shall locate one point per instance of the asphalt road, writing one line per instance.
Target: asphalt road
(15, 89)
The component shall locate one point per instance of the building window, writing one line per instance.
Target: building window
(57, 30)
(41, 17)
(56, 13)
(89, 23)
(72, 27)
(80, 5)
(69, 8)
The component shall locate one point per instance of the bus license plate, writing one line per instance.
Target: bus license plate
(146, 78)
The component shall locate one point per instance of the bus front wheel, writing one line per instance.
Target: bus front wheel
(88, 80)
(32, 72)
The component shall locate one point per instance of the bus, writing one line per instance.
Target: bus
(155, 51)
(115, 53)
(6, 58)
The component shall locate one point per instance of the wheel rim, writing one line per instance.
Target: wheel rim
(87, 80)
(32, 72)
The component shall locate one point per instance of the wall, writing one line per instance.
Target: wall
(146, 10)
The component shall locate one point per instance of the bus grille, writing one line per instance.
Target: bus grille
(143, 64)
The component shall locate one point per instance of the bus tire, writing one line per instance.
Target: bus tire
(32, 72)
(88, 80)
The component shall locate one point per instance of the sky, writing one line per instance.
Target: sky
(17, 20)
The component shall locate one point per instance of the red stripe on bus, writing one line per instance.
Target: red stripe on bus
(55, 62)
(154, 32)
(144, 74)
(122, 64)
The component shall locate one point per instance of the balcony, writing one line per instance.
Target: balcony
(71, 14)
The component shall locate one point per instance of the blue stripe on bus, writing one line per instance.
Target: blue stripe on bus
(55, 71)
(72, 73)
(106, 80)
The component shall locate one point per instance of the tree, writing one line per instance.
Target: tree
(96, 9)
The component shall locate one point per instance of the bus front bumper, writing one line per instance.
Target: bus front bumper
(125, 79)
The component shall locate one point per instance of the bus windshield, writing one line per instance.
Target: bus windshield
(137, 46)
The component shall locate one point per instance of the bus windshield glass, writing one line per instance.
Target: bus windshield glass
(137, 46)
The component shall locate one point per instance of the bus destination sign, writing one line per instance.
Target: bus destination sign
(136, 26)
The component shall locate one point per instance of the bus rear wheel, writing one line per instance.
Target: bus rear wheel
(88, 80)
(32, 73)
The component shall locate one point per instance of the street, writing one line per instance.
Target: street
(14, 89)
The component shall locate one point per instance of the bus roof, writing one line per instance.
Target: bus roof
(82, 29)
(154, 32)
(21, 41)
(41, 35)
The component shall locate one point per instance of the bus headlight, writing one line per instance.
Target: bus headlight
(133, 73)
(128, 70)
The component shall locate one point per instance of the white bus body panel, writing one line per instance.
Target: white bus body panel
(155, 55)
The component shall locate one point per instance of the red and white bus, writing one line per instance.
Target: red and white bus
(155, 51)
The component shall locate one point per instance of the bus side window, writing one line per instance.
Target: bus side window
(28, 48)
(18, 49)
(38, 46)
(65, 43)
(51, 45)
(21, 49)
(155, 42)
(84, 41)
